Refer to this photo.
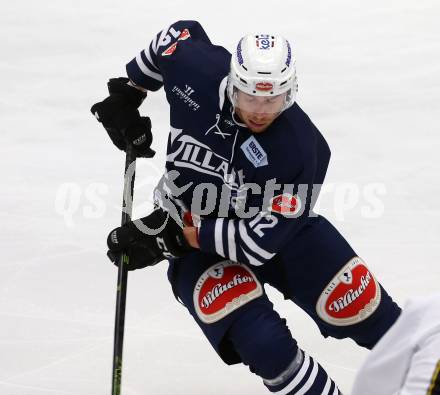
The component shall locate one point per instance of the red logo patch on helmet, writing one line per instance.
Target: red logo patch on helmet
(351, 297)
(285, 204)
(223, 288)
(183, 36)
(264, 86)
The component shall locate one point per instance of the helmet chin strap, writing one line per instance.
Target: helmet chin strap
(233, 113)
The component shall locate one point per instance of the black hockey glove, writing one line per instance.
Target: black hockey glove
(148, 240)
(120, 117)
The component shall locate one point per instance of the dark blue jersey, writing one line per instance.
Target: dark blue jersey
(253, 191)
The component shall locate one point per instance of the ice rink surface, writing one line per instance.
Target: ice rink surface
(369, 77)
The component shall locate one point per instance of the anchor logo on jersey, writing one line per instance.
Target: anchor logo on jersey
(216, 129)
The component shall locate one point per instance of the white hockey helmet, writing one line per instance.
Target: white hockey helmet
(262, 66)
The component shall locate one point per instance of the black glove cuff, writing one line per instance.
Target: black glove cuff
(133, 96)
(120, 238)
(139, 134)
(174, 241)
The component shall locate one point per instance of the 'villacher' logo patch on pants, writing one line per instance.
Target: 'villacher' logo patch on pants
(351, 297)
(223, 288)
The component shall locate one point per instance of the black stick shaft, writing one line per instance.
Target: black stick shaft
(121, 294)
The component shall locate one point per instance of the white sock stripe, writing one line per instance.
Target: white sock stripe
(148, 56)
(299, 376)
(146, 70)
(310, 381)
(327, 386)
(218, 236)
(232, 247)
(251, 244)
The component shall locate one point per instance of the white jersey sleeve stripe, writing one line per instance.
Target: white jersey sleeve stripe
(154, 44)
(251, 244)
(252, 260)
(218, 236)
(232, 247)
(146, 70)
(328, 384)
(148, 56)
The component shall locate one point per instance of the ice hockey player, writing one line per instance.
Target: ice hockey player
(406, 361)
(247, 163)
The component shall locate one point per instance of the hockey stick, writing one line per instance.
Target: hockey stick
(121, 294)
(123, 259)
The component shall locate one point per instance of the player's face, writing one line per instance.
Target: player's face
(258, 112)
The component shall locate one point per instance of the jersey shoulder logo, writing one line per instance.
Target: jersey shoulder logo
(254, 152)
(285, 204)
(183, 36)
